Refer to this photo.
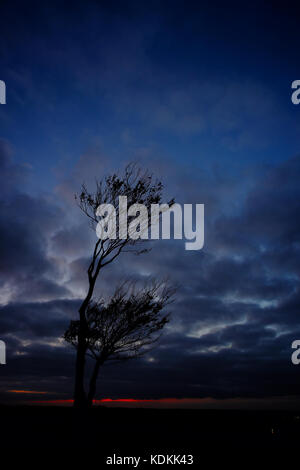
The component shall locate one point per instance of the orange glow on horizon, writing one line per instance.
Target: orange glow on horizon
(30, 392)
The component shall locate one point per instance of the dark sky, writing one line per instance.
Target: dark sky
(199, 93)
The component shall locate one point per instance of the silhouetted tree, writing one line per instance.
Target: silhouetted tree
(124, 327)
(139, 187)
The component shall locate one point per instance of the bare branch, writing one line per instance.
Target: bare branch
(125, 326)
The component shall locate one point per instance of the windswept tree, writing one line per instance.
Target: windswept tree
(140, 188)
(124, 327)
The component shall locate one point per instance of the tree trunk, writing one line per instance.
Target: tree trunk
(80, 398)
(93, 383)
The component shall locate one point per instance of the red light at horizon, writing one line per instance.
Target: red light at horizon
(158, 401)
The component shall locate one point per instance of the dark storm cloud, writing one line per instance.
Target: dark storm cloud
(233, 372)
(38, 320)
(26, 223)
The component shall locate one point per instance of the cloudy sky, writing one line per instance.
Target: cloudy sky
(199, 94)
